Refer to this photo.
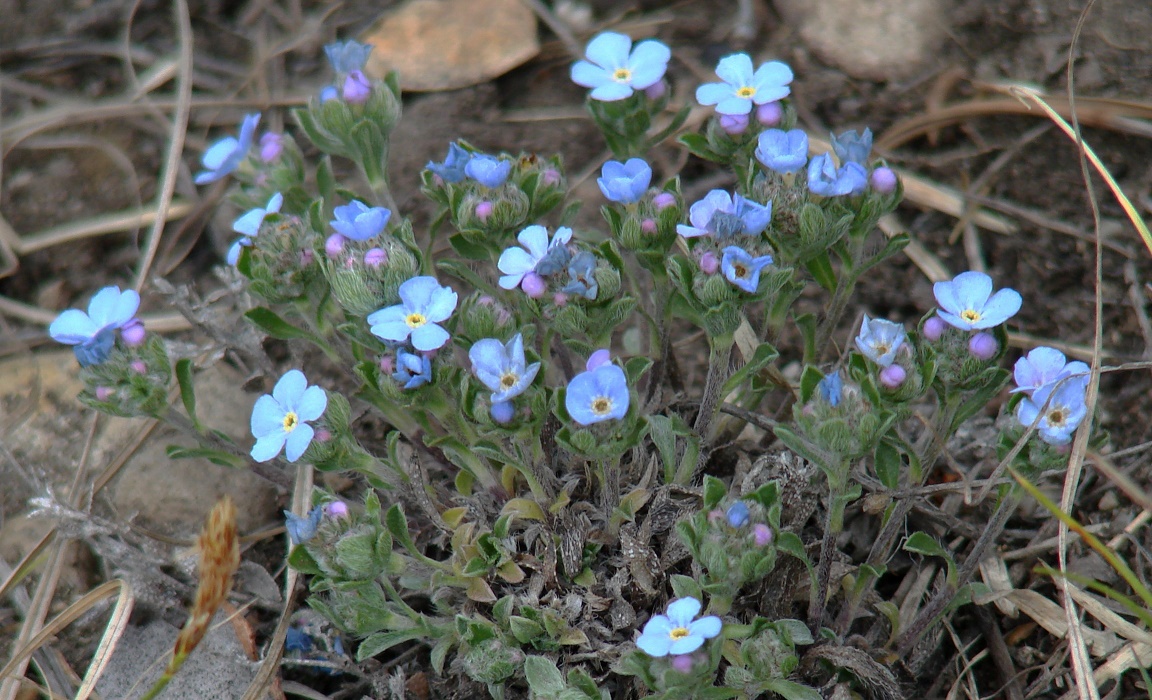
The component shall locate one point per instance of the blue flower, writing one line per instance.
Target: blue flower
(488, 170)
(825, 180)
(742, 88)
(852, 147)
(424, 304)
(452, 169)
(615, 69)
(1056, 409)
(967, 302)
(358, 221)
(302, 529)
(678, 632)
(581, 272)
(1043, 366)
(743, 270)
(225, 155)
(598, 395)
(880, 339)
(625, 182)
(721, 215)
(280, 420)
(93, 334)
(297, 640)
(737, 514)
(831, 389)
(502, 367)
(347, 56)
(516, 262)
(249, 225)
(412, 370)
(783, 151)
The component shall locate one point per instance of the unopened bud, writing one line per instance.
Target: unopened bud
(271, 145)
(133, 333)
(560, 299)
(533, 285)
(762, 535)
(648, 226)
(663, 200)
(138, 366)
(709, 263)
(375, 257)
(550, 177)
(337, 509)
(104, 392)
(502, 411)
(387, 364)
(883, 180)
(306, 257)
(328, 93)
(357, 88)
(322, 435)
(983, 346)
(734, 124)
(893, 376)
(934, 328)
(334, 245)
(715, 515)
(484, 210)
(770, 113)
(682, 663)
(656, 90)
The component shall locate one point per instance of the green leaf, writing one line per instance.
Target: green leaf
(468, 248)
(382, 641)
(301, 560)
(888, 464)
(790, 690)
(224, 459)
(714, 492)
(922, 543)
(397, 524)
(523, 629)
(187, 390)
(822, 272)
(810, 378)
(763, 355)
(697, 145)
(439, 654)
(542, 675)
(268, 321)
(685, 587)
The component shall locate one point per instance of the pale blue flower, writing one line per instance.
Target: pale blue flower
(743, 270)
(1056, 409)
(502, 367)
(1043, 366)
(249, 225)
(831, 389)
(783, 151)
(515, 262)
(825, 180)
(879, 340)
(225, 155)
(488, 170)
(743, 88)
(424, 304)
(967, 302)
(452, 169)
(678, 632)
(347, 56)
(412, 370)
(615, 69)
(853, 147)
(280, 420)
(598, 395)
(722, 216)
(737, 514)
(359, 221)
(301, 529)
(93, 334)
(625, 182)
(581, 272)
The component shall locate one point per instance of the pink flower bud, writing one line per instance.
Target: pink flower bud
(502, 412)
(484, 210)
(387, 364)
(762, 535)
(560, 299)
(337, 509)
(306, 257)
(133, 333)
(533, 285)
(601, 357)
(663, 200)
(375, 257)
(893, 376)
(357, 89)
(656, 90)
(271, 145)
(715, 515)
(138, 366)
(104, 392)
(648, 226)
(709, 263)
(350, 262)
(983, 346)
(334, 245)
(734, 124)
(322, 435)
(486, 301)
(883, 180)
(682, 663)
(770, 113)
(934, 328)
(550, 177)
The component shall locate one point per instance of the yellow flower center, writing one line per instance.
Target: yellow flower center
(746, 92)
(1056, 417)
(509, 379)
(678, 633)
(880, 348)
(741, 271)
(970, 315)
(601, 405)
(290, 421)
(622, 75)
(415, 320)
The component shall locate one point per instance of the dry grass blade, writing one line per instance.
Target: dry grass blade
(112, 222)
(112, 634)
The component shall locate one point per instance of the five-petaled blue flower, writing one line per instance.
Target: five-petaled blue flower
(853, 147)
(826, 180)
(737, 514)
(678, 632)
(92, 334)
(359, 221)
(225, 155)
(880, 339)
(967, 302)
(488, 170)
(582, 276)
(424, 304)
(1043, 366)
(502, 367)
(280, 420)
(831, 389)
(615, 69)
(783, 151)
(598, 394)
(347, 56)
(1056, 409)
(516, 262)
(452, 169)
(743, 270)
(412, 370)
(625, 182)
(301, 529)
(249, 225)
(722, 216)
(742, 88)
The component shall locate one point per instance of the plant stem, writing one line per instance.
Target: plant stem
(833, 526)
(719, 358)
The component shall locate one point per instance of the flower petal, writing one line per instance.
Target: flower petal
(429, 337)
(312, 404)
(391, 314)
(972, 290)
(611, 92)
(681, 612)
(416, 292)
(713, 93)
(267, 447)
(290, 388)
(441, 304)
(1002, 306)
(72, 327)
(706, 627)
(736, 70)
(686, 645)
(516, 261)
(609, 50)
(395, 331)
(587, 75)
(267, 417)
(298, 441)
(734, 106)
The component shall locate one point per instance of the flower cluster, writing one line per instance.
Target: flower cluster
(1054, 394)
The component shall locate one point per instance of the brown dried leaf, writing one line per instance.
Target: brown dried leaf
(448, 44)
